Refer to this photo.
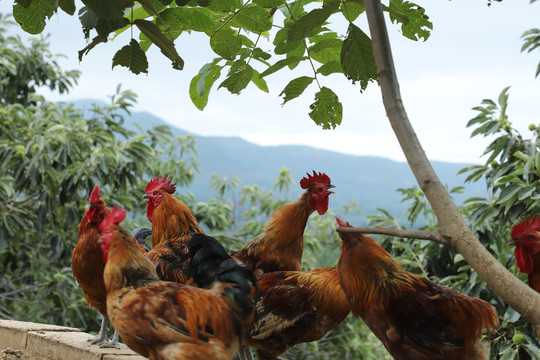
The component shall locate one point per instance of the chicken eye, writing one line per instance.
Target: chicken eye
(155, 192)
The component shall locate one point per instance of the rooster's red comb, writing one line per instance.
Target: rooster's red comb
(315, 178)
(526, 226)
(163, 183)
(95, 196)
(115, 217)
(342, 223)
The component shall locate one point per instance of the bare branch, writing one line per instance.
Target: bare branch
(23, 289)
(14, 209)
(14, 200)
(413, 234)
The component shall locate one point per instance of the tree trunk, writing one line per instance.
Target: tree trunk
(452, 226)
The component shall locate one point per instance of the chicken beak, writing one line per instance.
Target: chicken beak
(330, 187)
(513, 242)
(145, 196)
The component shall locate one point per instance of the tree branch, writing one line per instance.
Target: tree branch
(23, 289)
(14, 200)
(415, 234)
(452, 226)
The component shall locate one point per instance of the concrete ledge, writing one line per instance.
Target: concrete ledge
(13, 333)
(32, 341)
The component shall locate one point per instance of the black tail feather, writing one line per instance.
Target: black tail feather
(140, 235)
(210, 262)
(206, 255)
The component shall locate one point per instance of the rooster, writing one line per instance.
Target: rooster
(280, 246)
(295, 307)
(87, 264)
(413, 317)
(526, 239)
(173, 224)
(167, 320)
(171, 219)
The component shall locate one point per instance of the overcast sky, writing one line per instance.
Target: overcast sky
(472, 54)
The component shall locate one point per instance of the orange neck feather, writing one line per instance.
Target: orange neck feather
(125, 263)
(173, 220)
(288, 221)
(369, 275)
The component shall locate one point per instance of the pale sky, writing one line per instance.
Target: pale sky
(472, 54)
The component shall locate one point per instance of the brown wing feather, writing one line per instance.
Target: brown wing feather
(164, 313)
(296, 307)
(170, 260)
(87, 266)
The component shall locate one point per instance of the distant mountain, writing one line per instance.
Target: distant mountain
(371, 181)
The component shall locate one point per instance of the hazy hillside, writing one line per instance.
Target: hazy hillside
(371, 181)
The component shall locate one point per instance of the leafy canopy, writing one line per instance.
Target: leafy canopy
(250, 40)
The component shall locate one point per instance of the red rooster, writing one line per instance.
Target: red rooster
(413, 317)
(173, 224)
(280, 246)
(167, 320)
(295, 307)
(87, 264)
(526, 239)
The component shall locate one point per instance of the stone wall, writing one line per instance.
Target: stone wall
(32, 341)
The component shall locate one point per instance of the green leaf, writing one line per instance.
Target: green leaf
(281, 64)
(351, 10)
(295, 88)
(304, 26)
(506, 179)
(254, 18)
(511, 315)
(261, 55)
(68, 6)
(32, 18)
(259, 81)
(108, 9)
(521, 156)
(239, 80)
(201, 84)
(526, 192)
(221, 5)
(181, 19)
(508, 193)
(226, 43)
(132, 57)
(269, 3)
(326, 50)
(490, 127)
(330, 67)
(326, 111)
(296, 53)
(357, 58)
(282, 43)
(165, 44)
(106, 26)
(415, 23)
